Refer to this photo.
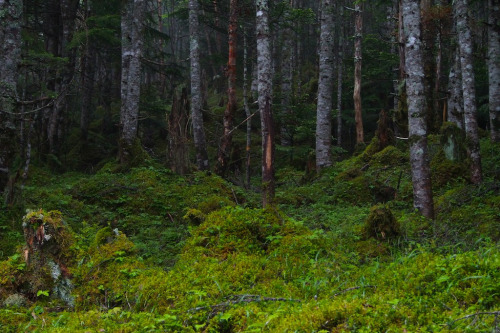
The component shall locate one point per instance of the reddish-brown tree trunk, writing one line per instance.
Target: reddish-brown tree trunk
(358, 36)
(225, 148)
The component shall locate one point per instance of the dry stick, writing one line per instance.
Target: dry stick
(495, 313)
(353, 288)
(243, 299)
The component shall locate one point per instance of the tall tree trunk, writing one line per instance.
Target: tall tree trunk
(494, 68)
(226, 141)
(10, 55)
(325, 88)
(247, 109)
(286, 83)
(421, 175)
(455, 98)
(340, 69)
(358, 37)
(196, 92)
(264, 99)
(88, 76)
(468, 88)
(132, 28)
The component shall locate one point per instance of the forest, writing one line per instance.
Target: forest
(250, 166)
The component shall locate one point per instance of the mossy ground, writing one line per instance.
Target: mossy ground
(154, 251)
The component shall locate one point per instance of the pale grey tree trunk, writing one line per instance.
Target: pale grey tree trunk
(494, 67)
(132, 26)
(468, 88)
(340, 69)
(455, 98)
(10, 55)
(358, 37)
(196, 94)
(264, 74)
(325, 88)
(421, 175)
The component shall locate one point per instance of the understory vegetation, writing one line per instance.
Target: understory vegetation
(148, 250)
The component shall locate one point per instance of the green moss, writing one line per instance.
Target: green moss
(381, 224)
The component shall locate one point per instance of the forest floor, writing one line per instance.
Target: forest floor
(149, 250)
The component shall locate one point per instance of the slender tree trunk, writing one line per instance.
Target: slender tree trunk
(286, 84)
(455, 98)
(340, 69)
(264, 99)
(196, 93)
(10, 55)
(468, 88)
(247, 109)
(494, 68)
(421, 175)
(132, 28)
(226, 141)
(325, 88)
(358, 37)
(88, 76)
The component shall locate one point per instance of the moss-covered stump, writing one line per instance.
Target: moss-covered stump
(47, 253)
(381, 224)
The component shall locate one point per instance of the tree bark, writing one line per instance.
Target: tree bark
(340, 68)
(325, 88)
(455, 97)
(358, 37)
(286, 84)
(468, 88)
(247, 110)
(10, 55)
(264, 101)
(226, 141)
(494, 67)
(421, 175)
(132, 28)
(196, 92)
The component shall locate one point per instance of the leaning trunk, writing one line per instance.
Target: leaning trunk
(421, 175)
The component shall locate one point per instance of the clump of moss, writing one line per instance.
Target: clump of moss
(381, 224)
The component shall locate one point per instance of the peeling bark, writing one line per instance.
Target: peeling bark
(455, 97)
(264, 100)
(223, 158)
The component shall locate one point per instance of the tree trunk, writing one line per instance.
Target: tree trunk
(455, 98)
(247, 109)
(358, 37)
(196, 92)
(264, 99)
(223, 158)
(132, 28)
(286, 84)
(340, 68)
(421, 175)
(10, 55)
(325, 88)
(494, 68)
(88, 76)
(178, 156)
(468, 88)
